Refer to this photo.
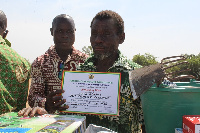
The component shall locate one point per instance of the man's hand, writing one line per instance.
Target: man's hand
(54, 101)
(32, 111)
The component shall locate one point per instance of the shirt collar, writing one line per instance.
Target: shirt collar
(121, 62)
(52, 52)
(2, 41)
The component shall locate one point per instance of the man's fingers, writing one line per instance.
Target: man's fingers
(38, 110)
(57, 98)
(58, 91)
(42, 111)
(63, 107)
(66, 106)
(27, 111)
(60, 103)
(33, 111)
(21, 112)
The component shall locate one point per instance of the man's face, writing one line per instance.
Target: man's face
(104, 38)
(63, 33)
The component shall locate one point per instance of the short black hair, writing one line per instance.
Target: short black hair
(109, 14)
(62, 17)
(3, 20)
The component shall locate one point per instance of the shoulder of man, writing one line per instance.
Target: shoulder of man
(131, 63)
(14, 64)
(125, 63)
(11, 55)
(82, 55)
(44, 57)
(88, 65)
(4, 41)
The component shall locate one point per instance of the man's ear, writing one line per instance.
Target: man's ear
(121, 38)
(5, 34)
(2, 29)
(51, 30)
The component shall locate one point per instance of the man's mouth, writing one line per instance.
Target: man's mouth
(64, 42)
(99, 49)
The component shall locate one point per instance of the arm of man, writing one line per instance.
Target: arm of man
(36, 98)
(37, 89)
(6, 100)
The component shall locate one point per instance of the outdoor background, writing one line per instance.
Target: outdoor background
(159, 27)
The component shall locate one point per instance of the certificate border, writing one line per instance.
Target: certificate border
(89, 72)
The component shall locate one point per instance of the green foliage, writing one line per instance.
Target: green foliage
(87, 50)
(145, 60)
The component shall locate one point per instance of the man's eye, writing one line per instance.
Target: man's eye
(70, 31)
(60, 31)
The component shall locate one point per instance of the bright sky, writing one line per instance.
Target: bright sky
(159, 27)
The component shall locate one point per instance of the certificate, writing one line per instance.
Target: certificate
(92, 92)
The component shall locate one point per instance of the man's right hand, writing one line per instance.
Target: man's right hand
(32, 111)
(54, 101)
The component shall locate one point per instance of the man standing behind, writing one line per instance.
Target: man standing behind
(107, 32)
(46, 70)
(14, 74)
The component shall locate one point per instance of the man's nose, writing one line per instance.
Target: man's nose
(99, 38)
(65, 35)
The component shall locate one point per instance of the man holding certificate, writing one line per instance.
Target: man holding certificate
(47, 69)
(107, 32)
